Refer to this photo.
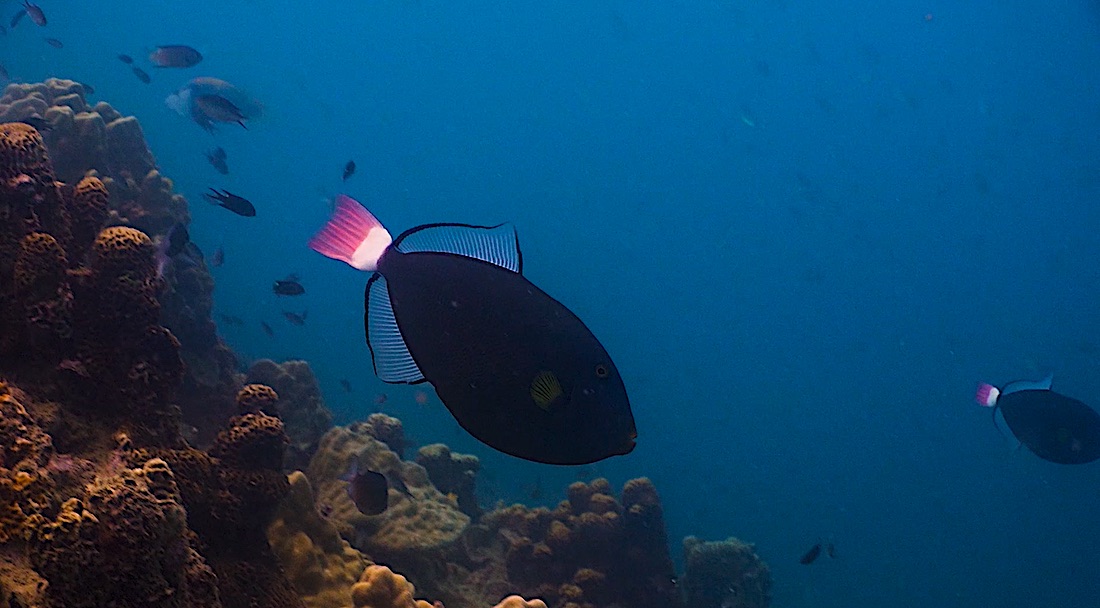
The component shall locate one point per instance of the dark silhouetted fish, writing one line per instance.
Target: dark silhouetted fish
(345, 384)
(288, 287)
(126, 59)
(219, 109)
(175, 56)
(5, 77)
(236, 204)
(367, 489)
(217, 159)
(810, 556)
(217, 258)
(1054, 427)
(141, 74)
(294, 318)
(267, 329)
(35, 13)
(517, 369)
(16, 18)
(55, 43)
(349, 170)
(88, 89)
(40, 124)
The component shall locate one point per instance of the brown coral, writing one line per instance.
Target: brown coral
(300, 406)
(453, 474)
(725, 574)
(255, 398)
(88, 211)
(380, 587)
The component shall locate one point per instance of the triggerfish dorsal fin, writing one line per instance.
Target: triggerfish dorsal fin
(497, 245)
(1029, 385)
(393, 362)
(352, 235)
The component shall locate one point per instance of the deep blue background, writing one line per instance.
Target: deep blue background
(805, 230)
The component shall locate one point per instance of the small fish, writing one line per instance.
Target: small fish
(35, 13)
(367, 489)
(295, 318)
(288, 287)
(175, 56)
(141, 74)
(219, 109)
(381, 399)
(128, 60)
(345, 384)
(40, 124)
(55, 43)
(5, 77)
(239, 205)
(349, 170)
(217, 258)
(446, 300)
(830, 550)
(217, 158)
(231, 320)
(1054, 427)
(267, 329)
(810, 556)
(17, 17)
(421, 398)
(88, 89)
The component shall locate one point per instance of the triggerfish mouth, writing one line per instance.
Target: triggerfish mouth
(448, 304)
(1055, 427)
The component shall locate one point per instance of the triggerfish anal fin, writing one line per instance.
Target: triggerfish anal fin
(497, 245)
(393, 362)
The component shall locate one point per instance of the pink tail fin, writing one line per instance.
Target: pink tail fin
(987, 395)
(352, 235)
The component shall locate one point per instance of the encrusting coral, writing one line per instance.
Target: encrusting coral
(452, 473)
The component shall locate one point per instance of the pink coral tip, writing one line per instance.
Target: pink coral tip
(987, 395)
(352, 235)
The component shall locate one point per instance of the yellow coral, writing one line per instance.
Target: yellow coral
(124, 247)
(380, 587)
(515, 601)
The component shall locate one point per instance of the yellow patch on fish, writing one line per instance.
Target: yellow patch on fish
(545, 388)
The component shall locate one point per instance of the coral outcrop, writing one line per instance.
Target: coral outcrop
(380, 587)
(130, 529)
(321, 565)
(301, 407)
(454, 474)
(724, 574)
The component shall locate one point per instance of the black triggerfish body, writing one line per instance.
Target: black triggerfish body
(1055, 427)
(448, 304)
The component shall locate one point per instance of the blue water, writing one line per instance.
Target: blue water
(804, 230)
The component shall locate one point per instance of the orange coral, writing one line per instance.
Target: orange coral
(124, 249)
(515, 601)
(252, 441)
(380, 587)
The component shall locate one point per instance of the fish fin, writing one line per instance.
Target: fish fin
(352, 235)
(497, 245)
(1029, 385)
(545, 389)
(393, 362)
(987, 395)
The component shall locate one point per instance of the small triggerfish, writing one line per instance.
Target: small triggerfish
(1054, 427)
(448, 304)
(367, 489)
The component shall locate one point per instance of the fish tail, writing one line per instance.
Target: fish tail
(352, 235)
(987, 395)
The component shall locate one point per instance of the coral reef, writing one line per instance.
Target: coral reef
(419, 521)
(725, 574)
(321, 565)
(454, 474)
(592, 550)
(130, 529)
(117, 183)
(301, 407)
